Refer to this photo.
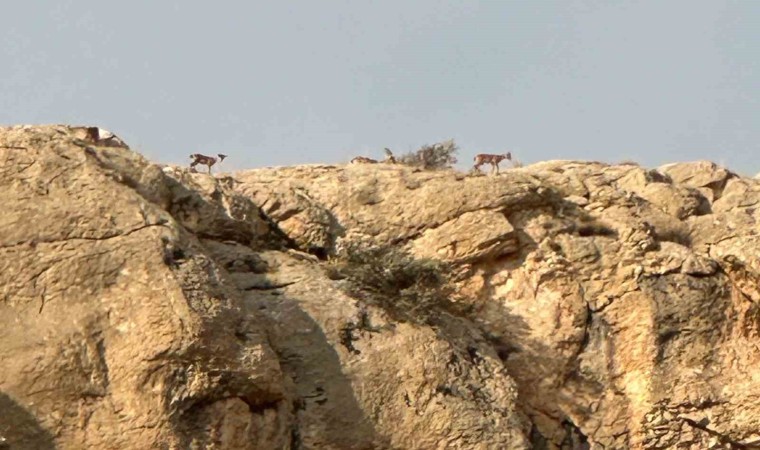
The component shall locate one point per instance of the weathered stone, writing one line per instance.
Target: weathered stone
(699, 174)
(472, 236)
(604, 263)
(739, 193)
(109, 338)
(120, 328)
(150, 307)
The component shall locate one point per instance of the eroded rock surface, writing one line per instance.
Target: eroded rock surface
(623, 301)
(117, 330)
(150, 307)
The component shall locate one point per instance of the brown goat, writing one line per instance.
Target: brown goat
(493, 160)
(363, 160)
(205, 160)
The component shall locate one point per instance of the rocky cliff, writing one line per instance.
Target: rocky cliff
(586, 305)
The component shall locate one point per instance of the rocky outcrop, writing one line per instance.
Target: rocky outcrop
(597, 306)
(117, 329)
(622, 300)
(149, 307)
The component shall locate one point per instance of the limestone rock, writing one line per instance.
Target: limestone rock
(471, 236)
(699, 174)
(618, 298)
(391, 204)
(657, 190)
(148, 307)
(592, 305)
(116, 329)
(739, 193)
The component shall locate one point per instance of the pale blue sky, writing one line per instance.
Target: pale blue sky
(275, 83)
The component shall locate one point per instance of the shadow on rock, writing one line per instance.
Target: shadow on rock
(19, 429)
(328, 414)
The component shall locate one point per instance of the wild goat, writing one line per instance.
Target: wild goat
(205, 160)
(493, 160)
(363, 160)
(389, 158)
(102, 138)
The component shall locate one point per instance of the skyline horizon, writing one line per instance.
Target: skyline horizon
(298, 83)
(458, 165)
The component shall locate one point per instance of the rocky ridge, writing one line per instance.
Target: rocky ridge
(144, 306)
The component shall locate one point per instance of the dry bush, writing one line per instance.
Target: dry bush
(408, 289)
(432, 157)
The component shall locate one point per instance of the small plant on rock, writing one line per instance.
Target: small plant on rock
(408, 289)
(432, 157)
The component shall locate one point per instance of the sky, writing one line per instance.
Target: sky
(295, 82)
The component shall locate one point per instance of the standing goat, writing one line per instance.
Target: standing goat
(389, 158)
(205, 160)
(493, 160)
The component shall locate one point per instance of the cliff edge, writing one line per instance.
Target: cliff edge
(579, 304)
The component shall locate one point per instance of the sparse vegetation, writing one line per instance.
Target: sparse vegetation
(432, 157)
(408, 289)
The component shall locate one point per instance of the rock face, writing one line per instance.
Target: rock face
(622, 301)
(147, 307)
(117, 329)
